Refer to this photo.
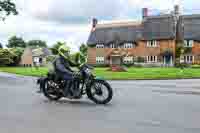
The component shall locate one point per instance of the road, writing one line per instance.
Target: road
(171, 106)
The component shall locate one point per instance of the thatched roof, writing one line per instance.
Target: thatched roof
(153, 27)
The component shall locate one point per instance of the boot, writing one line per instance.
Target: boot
(67, 90)
(76, 90)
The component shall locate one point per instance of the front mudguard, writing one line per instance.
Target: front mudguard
(95, 79)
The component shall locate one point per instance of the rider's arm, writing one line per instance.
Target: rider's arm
(61, 67)
(73, 64)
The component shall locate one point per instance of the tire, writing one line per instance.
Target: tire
(47, 94)
(93, 98)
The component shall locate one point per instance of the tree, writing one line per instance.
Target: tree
(15, 41)
(1, 46)
(6, 57)
(78, 58)
(17, 55)
(56, 46)
(83, 49)
(7, 7)
(11, 56)
(36, 43)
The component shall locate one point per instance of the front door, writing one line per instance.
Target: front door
(168, 60)
(115, 60)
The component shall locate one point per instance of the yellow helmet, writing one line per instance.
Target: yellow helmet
(64, 51)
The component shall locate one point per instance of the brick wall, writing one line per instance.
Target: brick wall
(196, 52)
(140, 50)
(26, 58)
(162, 45)
(91, 59)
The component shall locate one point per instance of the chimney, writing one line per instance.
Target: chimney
(176, 10)
(144, 12)
(94, 22)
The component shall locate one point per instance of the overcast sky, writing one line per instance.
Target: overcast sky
(70, 20)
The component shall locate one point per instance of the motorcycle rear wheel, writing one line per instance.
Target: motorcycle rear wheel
(52, 96)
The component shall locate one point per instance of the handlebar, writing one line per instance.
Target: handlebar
(86, 65)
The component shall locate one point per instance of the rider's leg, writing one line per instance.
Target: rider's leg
(72, 87)
(68, 85)
(76, 88)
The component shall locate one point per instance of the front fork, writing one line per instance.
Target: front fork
(98, 89)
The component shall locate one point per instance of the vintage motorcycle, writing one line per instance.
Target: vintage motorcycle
(97, 89)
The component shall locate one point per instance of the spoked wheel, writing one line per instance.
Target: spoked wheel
(100, 92)
(50, 91)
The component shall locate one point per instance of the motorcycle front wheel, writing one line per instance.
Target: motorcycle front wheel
(100, 92)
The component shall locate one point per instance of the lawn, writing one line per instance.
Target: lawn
(133, 73)
(25, 71)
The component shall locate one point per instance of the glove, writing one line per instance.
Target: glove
(76, 75)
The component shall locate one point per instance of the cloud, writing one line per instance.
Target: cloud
(27, 26)
(30, 28)
(72, 11)
(70, 20)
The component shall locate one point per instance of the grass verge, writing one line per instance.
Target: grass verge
(132, 73)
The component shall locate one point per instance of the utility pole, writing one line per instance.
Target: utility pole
(179, 39)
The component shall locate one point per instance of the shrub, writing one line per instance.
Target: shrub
(100, 65)
(17, 56)
(187, 50)
(138, 65)
(182, 65)
(140, 59)
(128, 65)
(6, 57)
(195, 66)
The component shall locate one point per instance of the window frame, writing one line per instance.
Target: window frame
(152, 43)
(128, 45)
(188, 43)
(100, 59)
(152, 59)
(100, 45)
(188, 58)
(128, 59)
(112, 45)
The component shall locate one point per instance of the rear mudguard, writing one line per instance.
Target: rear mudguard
(41, 82)
(99, 78)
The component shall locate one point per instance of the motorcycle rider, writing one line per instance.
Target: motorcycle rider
(62, 66)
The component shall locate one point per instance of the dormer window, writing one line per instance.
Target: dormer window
(112, 45)
(152, 43)
(128, 45)
(99, 46)
(188, 43)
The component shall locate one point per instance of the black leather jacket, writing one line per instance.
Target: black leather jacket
(62, 66)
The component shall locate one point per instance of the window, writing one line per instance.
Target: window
(99, 59)
(128, 45)
(128, 59)
(99, 46)
(36, 59)
(40, 60)
(188, 59)
(151, 59)
(188, 43)
(112, 45)
(152, 43)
